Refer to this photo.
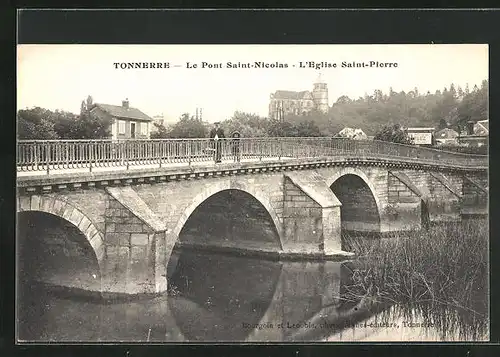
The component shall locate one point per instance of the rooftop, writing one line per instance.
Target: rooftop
(287, 94)
(123, 112)
(446, 134)
(482, 127)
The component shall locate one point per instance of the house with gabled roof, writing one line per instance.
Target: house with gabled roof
(482, 127)
(352, 133)
(127, 122)
(421, 135)
(446, 136)
(477, 134)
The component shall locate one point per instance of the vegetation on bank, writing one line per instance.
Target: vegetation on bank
(441, 273)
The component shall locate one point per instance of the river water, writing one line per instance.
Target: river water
(215, 297)
(212, 297)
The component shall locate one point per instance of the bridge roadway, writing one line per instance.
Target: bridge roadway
(137, 166)
(134, 168)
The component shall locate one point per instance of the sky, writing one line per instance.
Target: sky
(61, 76)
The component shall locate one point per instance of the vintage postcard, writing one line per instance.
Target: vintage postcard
(252, 193)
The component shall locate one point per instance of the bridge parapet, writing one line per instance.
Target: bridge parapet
(60, 155)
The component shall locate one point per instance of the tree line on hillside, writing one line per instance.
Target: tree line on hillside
(451, 107)
(381, 115)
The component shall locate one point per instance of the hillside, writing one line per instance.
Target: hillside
(454, 106)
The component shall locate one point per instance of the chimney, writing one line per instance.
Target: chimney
(470, 128)
(125, 103)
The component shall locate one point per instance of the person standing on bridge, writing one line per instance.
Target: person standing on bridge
(217, 135)
(235, 145)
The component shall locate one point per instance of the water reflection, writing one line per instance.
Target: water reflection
(418, 323)
(215, 297)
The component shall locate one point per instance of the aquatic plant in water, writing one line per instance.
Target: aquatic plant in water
(441, 273)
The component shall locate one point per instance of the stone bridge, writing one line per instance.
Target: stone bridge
(128, 221)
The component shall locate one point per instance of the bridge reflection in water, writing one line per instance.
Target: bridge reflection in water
(214, 297)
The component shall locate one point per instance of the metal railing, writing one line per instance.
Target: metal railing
(48, 155)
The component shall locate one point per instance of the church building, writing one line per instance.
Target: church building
(284, 102)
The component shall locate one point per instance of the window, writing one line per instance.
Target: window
(121, 127)
(144, 128)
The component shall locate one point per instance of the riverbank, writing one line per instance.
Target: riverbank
(436, 271)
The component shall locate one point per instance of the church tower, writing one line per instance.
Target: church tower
(320, 95)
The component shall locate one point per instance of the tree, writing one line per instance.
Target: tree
(83, 126)
(279, 128)
(378, 95)
(442, 124)
(393, 133)
(159, 131)
(91, 127)
(473, 107)
(188, 127)
(248, 124)
(35, 124)
(43, 124)
(67, 125)
(307, 128)
(343, 100)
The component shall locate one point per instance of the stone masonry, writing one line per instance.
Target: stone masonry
(132, 236)
(311, 215)
(475, 194)
(129, 250)
(404, 199)
(132, 226)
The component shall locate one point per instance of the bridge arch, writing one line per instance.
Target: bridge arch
(224, 185)
(67, 212)
(366, 181)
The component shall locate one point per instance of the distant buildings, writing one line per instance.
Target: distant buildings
(159, 119)
(351, 133)
(421, 136)
(284, 102)
(446, 137)
(482, 128)
(167, 121)
(128, 122)
(477, 134)
(164, 120)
